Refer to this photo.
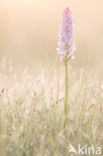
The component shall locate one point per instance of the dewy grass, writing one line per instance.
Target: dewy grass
(31, 122)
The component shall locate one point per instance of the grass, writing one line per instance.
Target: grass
(32, 113)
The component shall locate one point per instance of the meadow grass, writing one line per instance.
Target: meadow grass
(32, 113)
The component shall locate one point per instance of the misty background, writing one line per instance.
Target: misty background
(29, 32)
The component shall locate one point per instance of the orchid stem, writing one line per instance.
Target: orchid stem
(66, 106)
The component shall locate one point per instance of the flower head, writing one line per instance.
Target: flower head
(66, 41)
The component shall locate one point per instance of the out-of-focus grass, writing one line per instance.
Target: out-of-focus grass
(32, 112)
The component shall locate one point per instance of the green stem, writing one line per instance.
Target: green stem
(66, 106)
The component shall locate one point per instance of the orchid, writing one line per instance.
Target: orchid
(66, 45)
(66, 50)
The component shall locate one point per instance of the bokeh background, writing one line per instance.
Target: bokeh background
(29, 32)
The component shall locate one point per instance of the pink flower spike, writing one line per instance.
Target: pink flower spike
(66, 42)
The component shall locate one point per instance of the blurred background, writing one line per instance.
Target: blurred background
(29, 32)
